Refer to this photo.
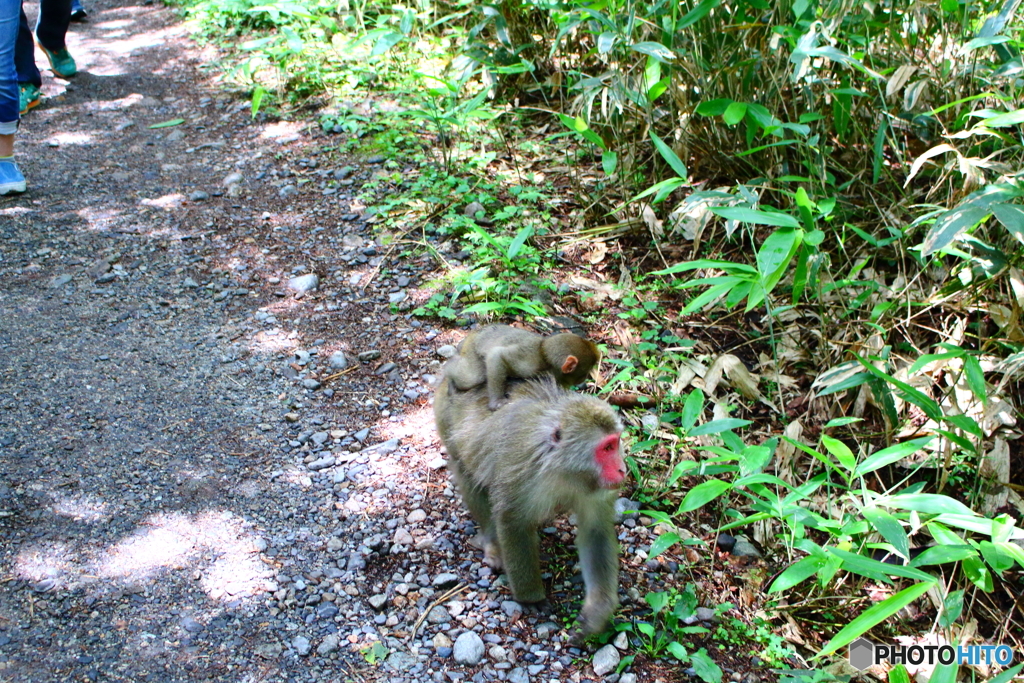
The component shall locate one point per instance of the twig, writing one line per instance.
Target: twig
(454, 591)
(338, 374)
(395, 242)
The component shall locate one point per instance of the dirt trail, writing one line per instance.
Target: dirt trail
(186, 491)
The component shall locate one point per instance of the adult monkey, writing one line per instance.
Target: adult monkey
(547, 450)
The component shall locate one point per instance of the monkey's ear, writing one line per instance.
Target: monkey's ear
(556, 436)
(570, 364)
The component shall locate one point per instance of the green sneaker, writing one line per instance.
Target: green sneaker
(61, 62)
(30, 97)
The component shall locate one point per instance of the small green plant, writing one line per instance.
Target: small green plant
(755, 639)
(375, 653)
(669, 612)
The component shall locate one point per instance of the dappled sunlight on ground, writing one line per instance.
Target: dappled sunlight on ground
(282, 131)
(216, 543)
(167, 201)
(99, 219)
(72, 138)
(81, 507)
(107, 55)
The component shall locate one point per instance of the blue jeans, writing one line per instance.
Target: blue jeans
(51, 28)
(9, 104)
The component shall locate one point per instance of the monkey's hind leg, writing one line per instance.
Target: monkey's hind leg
(465, 372)
(521, 554)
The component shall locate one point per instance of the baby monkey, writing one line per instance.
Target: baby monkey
(494, 353)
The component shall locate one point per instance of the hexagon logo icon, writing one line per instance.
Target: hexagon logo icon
(862, 653)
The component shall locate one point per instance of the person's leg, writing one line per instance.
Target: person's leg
(51, 28)
(11, 179)
(25, 53)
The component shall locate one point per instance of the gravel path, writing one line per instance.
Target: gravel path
(209, 470)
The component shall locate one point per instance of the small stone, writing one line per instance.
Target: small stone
(512, 608)
(378, 601)
(469, 649)
(288, 191)
(417, 515)
(626, 509)
(445, 581)
(322, 463)
(199, 196)
(269, 650)
(396, 297)
(367, 356)
(446, 351)
(545, 630)
(232, 179)
(329, 644)
(605, 660)
(627, 678)
(472, 209)
(60, 281)
(518, 675)
(441, 640)
(337, 361)
(621, 641)
(310, 384)
(744, 548)
(291, 417)
(403, 537)
(438, 615)
(191, 625)
(705, 614)
(304, 283)
(301, 645)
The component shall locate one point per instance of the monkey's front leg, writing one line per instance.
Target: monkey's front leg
(520, 550)
(599, 561)
(479, 504)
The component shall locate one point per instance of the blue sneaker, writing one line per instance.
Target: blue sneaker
(11, 179)
(61, 62)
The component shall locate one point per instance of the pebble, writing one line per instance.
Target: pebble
(446, 351)
(329, 644)
(518, 675)
(605, 660)
(304, 283)
(744, 548)
(301, 645)
(468, 649)
(199, 196)
(627, 678)
(337, 361)
(445, 581)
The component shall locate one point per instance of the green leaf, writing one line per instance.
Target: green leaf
(716, 426)
(713, 108)
(727, 266)
(952, 607)
(907, 392)
(654, 49)
(524, 234)
(702, 494)
(841, 452)
(1007, 675)
(1010, 118)
(975, 378)
(696, 14)
(1012, 218)
(949, 226)
(669, 156)
(899, 674)
(605, 42)
(928, 503)
(658, 600)
(873, 616)
(890, 529)
(168, 124)
(876, 569)
(663, 543)
(257, 99)
(944, 673)
(705, 667)
(386, 42)
(609, 161)
(878, 150)
(734, 113)
(943, 554)
(996, 558)
(755, 216)
(891, 454)
(797, 573)
(692, 408)
(676, 649)
(978, 573)
(775, 254)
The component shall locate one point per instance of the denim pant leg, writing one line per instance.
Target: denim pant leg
(52, 27)
(25, 53)
(9, 104)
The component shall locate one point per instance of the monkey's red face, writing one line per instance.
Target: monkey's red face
(609, 462)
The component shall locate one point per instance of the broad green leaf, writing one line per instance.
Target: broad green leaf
(727, 266)
(692, 408)
(702, 494)
(841, 452)
(1010, 118)
(676, 649)
(944, 673)
(517, 243)
(775, 254)
(669, 156)
(929, 503)
(952, 607)
(734, 113)
(1012, 218)
(873, 616)
(386, 42)
(996, 558)
(943, 554)
(696, 14)
(705, 667)
(609, 162)
(878, 150)
(658, 600)
(663, 543)
(710, 296)
(890, 529)
(797, 573)
(168, 124)
(907, 392)
(654, 49)
(899, 674)
(891, 454)
(975, 378)
(755, 216)
(605, 42)
(661, 190)
(972, 522)
(713, 107)
(949, 226)
(716, 426)
(876, 569)
(1007, 675)
(978, 573)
